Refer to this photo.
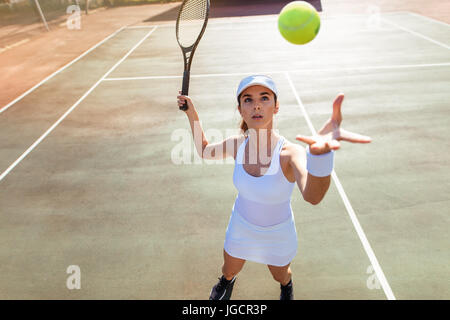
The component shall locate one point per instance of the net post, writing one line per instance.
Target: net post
(41, 14)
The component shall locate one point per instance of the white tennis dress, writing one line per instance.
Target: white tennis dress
(261, 226)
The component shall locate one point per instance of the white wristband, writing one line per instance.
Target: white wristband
(319, 165)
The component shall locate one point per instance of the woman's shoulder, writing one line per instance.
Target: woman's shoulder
(239, 138)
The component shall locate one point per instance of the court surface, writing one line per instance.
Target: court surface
(88, 176)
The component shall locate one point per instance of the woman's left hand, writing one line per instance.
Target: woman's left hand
(331, 133)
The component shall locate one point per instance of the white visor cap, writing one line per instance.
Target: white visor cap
(256, 80)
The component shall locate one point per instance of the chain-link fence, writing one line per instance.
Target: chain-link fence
(28, 11)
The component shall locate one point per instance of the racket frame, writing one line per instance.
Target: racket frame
(188, 52)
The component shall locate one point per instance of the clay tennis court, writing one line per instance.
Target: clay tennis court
(91, 172)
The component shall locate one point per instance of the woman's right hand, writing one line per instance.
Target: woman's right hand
(181, 99)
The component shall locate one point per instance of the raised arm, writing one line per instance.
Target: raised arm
(206, 150)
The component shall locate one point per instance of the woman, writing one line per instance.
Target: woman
(267, 166)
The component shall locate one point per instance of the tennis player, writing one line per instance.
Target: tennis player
(267, 167)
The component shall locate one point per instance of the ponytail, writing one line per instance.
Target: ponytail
(243, 126)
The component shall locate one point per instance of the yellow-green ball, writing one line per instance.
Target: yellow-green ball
(298, 22)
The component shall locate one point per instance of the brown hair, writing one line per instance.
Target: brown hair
(243, 126)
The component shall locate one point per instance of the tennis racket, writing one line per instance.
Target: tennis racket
(191, 24)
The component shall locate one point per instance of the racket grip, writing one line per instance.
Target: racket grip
(185, 88)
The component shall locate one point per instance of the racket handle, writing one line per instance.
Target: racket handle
(185, 88)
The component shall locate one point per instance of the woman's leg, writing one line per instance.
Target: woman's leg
(281, 274)
(284, 276)
(231, 265)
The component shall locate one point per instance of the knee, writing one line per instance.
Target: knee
(282, 277)
(278, 277)
(229, 273)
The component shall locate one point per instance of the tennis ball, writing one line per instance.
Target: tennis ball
(298, 22)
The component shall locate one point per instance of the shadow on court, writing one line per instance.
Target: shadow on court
(102, 192)
(236, 8)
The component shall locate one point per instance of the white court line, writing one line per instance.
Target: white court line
(268, 18)
(145, 78)
(272, 18)
(362, 237)
(142, 27)
(15, 163)
(417, 34)
(428, 18)
(406, 66)
(58, 71)
(13, 45)
(212, 23)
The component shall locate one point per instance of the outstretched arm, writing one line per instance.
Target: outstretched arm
(314, 186)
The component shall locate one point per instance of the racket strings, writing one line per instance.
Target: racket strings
(191, 20)
(194, 10)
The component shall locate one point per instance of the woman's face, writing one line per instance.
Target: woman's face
(258, 107)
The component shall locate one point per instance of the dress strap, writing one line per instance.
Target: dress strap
(240, 152)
